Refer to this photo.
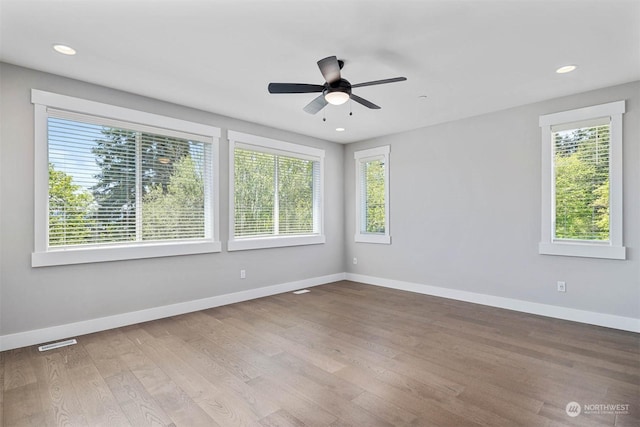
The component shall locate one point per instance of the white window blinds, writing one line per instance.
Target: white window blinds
(581, 180)
(372, 209)
(113, 182)
(275, 193)
(372, 195)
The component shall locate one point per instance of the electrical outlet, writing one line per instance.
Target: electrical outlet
(355, 260)
(562, 287)
(243, 274)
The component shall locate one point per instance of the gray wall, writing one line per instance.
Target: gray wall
(33, 298)
(465, 211)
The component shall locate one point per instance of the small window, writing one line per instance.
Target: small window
(582, 182)
(372, 195)
(113, 183)
(276, 193)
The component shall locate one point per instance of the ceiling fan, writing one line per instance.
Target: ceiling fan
(335, 91)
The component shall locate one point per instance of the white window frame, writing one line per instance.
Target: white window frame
(361, 157)
(44, 255)
(549, 245)
(268, 145)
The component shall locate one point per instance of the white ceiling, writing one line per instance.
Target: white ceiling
(467, 57)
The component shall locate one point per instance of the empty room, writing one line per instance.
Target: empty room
(319, 213)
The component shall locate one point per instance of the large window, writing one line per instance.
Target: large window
(372, 195)
(113, 183)
(276, 193)
(582, 182)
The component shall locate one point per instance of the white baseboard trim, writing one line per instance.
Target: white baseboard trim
(39, 336)
(590, 317)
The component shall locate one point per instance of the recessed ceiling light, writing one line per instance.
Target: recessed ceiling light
(64, 49)
(340, 129)
(566, 69)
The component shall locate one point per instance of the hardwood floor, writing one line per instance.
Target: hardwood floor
(343, 354)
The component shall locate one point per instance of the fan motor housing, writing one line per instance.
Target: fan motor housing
(341, 85)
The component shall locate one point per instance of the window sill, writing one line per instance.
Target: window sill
(85, 255)
(273, 242)
(373, 238)
(584, 250)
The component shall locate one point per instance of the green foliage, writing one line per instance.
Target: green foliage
(375, 196)
(582, 185)
(115, 191)
(151, 187)
(164, 175)
(295, 195)
(272, 194)
(70, 210)
(601, 204)
(175, 209)
(254, 193)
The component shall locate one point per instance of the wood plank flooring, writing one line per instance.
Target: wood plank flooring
(345, 354)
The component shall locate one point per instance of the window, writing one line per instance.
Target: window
(582, 182)
(276, 193)
(372, 195)
(113, 183)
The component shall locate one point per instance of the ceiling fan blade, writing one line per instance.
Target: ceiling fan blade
(316, 105)
(380, 82)
(294, 88)
(364, 102)
(330, 69)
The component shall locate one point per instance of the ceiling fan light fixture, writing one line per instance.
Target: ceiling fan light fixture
(336, 98)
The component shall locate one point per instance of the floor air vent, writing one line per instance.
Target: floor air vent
(301, 291)
(57, 345)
